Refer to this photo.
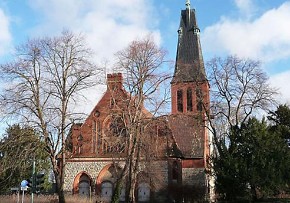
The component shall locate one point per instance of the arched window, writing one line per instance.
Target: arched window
(99, 139)
(115, 139)
(174, 172)
(199, 99)
(179, 101)
(80, 144)
(117, 127)
(94, 136)
(189, 99)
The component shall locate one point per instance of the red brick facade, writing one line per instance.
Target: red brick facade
(178, 144)
(196, 89)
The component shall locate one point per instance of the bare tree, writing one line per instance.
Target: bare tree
(239, 89)
(42, 86)
(142, 65)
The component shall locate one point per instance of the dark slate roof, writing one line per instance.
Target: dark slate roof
(188, 135)
(189, 65)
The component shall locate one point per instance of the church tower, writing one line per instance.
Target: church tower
(189, 86)
(190, 107)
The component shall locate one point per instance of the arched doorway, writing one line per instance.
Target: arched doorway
(84, 185)
(106, 182)
(143, 192)
(107, 190)
(122, 195)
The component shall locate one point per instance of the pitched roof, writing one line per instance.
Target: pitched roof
(189, 65)
(188, 135)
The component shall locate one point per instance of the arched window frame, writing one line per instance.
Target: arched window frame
(114, 140)
(189, 99)
(85, 179)
(179, 100)
(199, 99)
(175, 173)
(80, 144)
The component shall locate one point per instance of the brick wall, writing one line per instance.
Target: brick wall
(193, 176)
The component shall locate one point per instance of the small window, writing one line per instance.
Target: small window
(174, 172)
(99, 137)
(189, 99)
(179, 101)
(80, 144)
(80, 148)
(199, 99)
(94, 136)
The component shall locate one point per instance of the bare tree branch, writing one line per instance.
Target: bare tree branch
(43, 83)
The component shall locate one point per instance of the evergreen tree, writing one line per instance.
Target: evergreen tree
(266, 156)
(255, 164)
(280, 121)
(18, 148)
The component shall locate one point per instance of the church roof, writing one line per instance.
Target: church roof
(189, 65)
(188, 135)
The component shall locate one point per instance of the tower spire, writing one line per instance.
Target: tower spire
(189, 81)
(187, 4)
(189, 65)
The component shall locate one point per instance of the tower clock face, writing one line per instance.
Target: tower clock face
(97, 113)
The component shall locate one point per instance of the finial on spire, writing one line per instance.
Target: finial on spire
(187, 4)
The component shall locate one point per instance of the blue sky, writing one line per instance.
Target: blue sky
(258, 29)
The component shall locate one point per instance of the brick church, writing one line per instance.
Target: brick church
(178, 144)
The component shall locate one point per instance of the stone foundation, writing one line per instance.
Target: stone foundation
(72, 169)
(157, 172)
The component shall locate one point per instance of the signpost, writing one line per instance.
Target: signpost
(24, 183)
(24, 186)
(15, 190)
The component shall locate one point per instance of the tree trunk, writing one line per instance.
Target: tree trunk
(59, 188)
(254, 193)
(59, 178)
(128, 183)
(61, 198)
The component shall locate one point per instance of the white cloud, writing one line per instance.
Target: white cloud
(266, 38)
(108, 25)
(281, 81)
(5, 35)
(244, 4)
(246, 7)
